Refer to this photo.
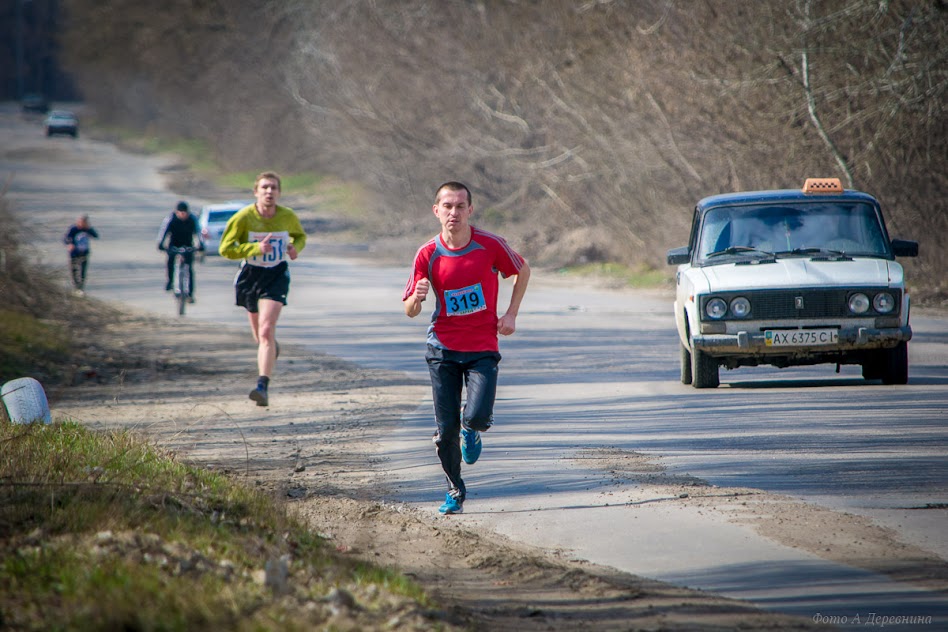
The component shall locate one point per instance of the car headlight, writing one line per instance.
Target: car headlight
(859, 303)
(716, 308)
(883, 302)
(740, 307)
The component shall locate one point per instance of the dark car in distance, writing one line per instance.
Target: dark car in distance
(35, 103)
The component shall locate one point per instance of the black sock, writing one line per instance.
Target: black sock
(263, 382)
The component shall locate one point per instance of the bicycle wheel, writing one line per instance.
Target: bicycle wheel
(186, 273)
(186, 282)
(180, 283)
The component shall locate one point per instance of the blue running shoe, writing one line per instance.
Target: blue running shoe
(451, 505)
(470, 445)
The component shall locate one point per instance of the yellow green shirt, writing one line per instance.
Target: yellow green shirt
(247, 227)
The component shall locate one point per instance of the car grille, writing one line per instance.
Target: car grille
(804, 303)
(816, 304)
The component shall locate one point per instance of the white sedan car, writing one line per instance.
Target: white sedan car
(788, 278)
(213, 220)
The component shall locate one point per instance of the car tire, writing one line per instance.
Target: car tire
(704, 370)
(895, 365)
(685, 362)
(25, 401)
(872, 366)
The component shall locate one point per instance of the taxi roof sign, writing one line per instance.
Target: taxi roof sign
(822, 185)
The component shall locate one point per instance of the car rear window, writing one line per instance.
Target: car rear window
(220, 216)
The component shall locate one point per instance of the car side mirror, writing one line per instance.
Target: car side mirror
(677, 256)
(904, 248)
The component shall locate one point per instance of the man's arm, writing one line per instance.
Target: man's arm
(413, 302)
(297, 239)
(507, 324)
(163, 232)
(196, 230)
(232, 247)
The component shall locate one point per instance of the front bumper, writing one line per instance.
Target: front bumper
(850, 339)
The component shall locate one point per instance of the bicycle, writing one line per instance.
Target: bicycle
(181, 279)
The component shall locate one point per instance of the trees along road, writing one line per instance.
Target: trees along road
(590, 380)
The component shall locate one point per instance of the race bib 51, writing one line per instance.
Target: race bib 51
(279, 241)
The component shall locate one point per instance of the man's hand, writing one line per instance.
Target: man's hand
(506, 324)
(265, 246)
(291, 252)
(421, 290)
(413, 302)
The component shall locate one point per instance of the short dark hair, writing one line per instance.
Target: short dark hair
(453, 186)
(182, 206)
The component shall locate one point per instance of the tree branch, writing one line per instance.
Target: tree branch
(811, 103)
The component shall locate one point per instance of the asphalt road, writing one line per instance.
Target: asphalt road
(588, 369)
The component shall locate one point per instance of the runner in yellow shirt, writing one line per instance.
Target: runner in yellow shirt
(264, 235)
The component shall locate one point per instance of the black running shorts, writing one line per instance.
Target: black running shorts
(254, 283)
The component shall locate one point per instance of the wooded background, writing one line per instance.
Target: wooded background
(587, 129)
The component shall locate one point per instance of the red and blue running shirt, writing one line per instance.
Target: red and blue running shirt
(464, 281)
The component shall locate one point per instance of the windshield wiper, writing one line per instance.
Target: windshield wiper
(737, 250)
(815, 251)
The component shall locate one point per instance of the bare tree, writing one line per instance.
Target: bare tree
(811, 98)
(589, 129)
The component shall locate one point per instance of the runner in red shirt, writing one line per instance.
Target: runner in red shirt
(460, 266)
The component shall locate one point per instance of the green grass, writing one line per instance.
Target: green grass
(197, 152)
(638, 277)
(297, 183)
(29, 346)
(330, 195)
(101, 530)
(326, 194)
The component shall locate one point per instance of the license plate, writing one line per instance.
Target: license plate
(801, 337)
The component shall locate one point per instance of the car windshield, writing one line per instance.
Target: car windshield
(810, 229)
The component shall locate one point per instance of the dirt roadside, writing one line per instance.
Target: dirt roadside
(185, 384)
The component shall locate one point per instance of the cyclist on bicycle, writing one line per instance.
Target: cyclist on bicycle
(179, 229)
